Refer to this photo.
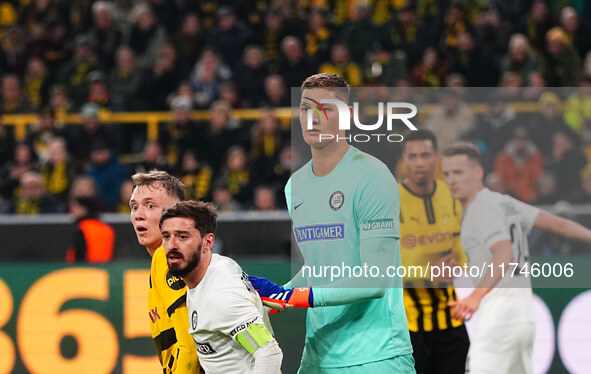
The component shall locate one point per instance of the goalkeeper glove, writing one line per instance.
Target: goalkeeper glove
(277, 297)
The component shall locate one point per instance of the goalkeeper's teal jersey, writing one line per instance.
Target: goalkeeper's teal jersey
(358, 200)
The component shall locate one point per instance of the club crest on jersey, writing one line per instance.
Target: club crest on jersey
(336, 200)
(194, 320)
(205, 348)
(173, 282)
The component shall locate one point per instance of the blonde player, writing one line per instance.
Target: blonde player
(494, 232)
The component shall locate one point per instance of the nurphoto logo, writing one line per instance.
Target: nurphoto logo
(392, 113)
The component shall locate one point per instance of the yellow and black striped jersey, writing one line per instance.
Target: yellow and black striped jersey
(169, 321)
(429, 229)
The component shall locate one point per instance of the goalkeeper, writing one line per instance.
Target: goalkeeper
(344, 206)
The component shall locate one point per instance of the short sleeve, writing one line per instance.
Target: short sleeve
(378, 206)
(528, 212)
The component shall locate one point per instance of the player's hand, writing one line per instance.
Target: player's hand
(464, 309)
(446, 276)
(277, 297)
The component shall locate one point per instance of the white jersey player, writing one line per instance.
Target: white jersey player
(494, 236)
(227, 319)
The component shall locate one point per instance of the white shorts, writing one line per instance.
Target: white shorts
(502, 349)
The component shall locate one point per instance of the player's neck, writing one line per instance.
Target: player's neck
(196, 275)
(324, 160)
(422, 189)
(151, 248)
(466, 203)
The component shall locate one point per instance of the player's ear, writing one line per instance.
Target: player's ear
(208, 241)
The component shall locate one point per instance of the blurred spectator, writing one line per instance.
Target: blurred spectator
(452, 119)
(229, 95)
(519, 165)
(92, 130)
(251, 76)
(189, 42)
(152, 158)
(577, 30)
(13, 99)
(160, 80)
(13, 53)
(536, 24)
(237, 176)
(39, 136)
(267, 140)
(105, 33)
(563, 64)
(510, 86)
(23, 161)
(107, 173)
(124, 82)
(180, 135)
(32, 198)
(361, 35)
(383, 68)
(319, 37)
(566, 165)
(520, 58)
(430, 72)
(59, 170)
(272, 36)
(55, 48)
(495, 183)
(294, 65)
(59, 102)
(93, 240)
(264, 199)
(98, 91)
(195, 176)
(493, 31)
(36, 83)
(455, 22)
(276, 94)
(73, 73)
(223, 200)
(7, 143)
(543, 125)
(219, 136)
(35, 14)
(207, 77)
(536, 84)
(125, 192)
(341, 64)
(146, 35)
(408, 33)
(546, 190)
(577, 113)
(585, 185)
(496, 125)
(85, 186)
(479, 69)
(230, 36)
(167, 12)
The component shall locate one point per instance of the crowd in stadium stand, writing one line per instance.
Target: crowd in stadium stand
(85, 56)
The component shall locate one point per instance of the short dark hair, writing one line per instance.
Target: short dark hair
(420, 135)
(331, 81)
(463, 148)
(171, 184)
(203, 214)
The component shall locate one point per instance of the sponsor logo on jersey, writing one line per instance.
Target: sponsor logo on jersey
(329, 231)
(410, 241)
(378, 224)
(336, 200)
(194, 320)
(205, 348)
(154, 315)
(238, 329)
(173, 282)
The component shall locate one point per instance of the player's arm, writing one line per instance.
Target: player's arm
(238, 317)
(187, 361)
(562, 226)
(258, 341)
(502, 256)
